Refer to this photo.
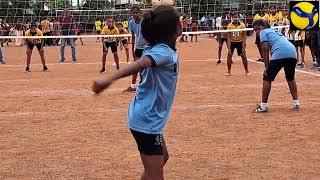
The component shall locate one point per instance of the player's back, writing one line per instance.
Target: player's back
(278, 43)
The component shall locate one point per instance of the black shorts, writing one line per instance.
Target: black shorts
(222, 40)
(112, 45)
(98, 32)
(31, 46)
(275, 66)
(238, 46)
(138, 53)
(299, 43)
(149, 144)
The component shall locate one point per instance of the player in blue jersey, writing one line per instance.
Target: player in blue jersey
(283, 55)
(150, 108)
(138, 41)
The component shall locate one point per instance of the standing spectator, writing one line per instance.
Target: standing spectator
(78, 32)
(1, 56)
(45, 28)
(315, 45)
(184, 24)
(5, 32)
(194, 28)
(203, 23)
(219, 22)
(51, 30)
(98, 25)
(18, 31)
(249, 21)
(67, 28)
(56, 31)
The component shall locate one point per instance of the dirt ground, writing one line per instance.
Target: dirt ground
(53, 127)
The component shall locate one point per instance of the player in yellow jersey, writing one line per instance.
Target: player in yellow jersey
(260, 15)
(237, 40)
(273, 16)
(222, 38)
(123, 40)
(34, 31)
(98, 25)
(297, 38)
(111, 42)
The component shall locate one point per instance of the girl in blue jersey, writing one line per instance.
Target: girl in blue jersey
(150, 108)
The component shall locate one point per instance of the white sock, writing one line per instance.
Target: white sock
(133, 86)
(264, 105)
(296, 102)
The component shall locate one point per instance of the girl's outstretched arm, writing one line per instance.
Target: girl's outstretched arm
(137, 66)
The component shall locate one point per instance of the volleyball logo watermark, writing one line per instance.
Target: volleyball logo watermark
(304, 15)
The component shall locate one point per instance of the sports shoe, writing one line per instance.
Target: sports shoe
(74, 61)
(130, 89)
(295, 107)
(27, 69)
(62, 61)
(114, 65)
(317, 65)
(2, 62)
(228, 74)
(259, 109)
(45, 68)
(103, 69)
(248, 73)
(219, 62)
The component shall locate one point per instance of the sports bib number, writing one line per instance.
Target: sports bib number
(235, 34)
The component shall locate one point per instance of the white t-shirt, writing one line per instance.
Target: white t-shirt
(218, 22)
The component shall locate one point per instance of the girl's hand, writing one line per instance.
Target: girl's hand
(100, 85)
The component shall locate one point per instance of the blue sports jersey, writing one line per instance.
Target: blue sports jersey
(136, 29)
(150, 108)
(280, 47)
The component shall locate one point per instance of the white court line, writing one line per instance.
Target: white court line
(298, 70)
(97, 63)
(87, 91)
(63, 113)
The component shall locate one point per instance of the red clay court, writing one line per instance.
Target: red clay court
(53, 127)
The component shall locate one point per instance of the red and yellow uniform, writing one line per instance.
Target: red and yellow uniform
(257, 17)
(45, 26)
(236, 36)
(112, 31)
(273, 19)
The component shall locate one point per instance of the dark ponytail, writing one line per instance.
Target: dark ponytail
(161, 26)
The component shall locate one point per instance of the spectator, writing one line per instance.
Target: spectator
(249, 21)
(45, 28)
(56, 31)
(98, 28)
(203, 23)
(218, 22)
(18, 31)
(1, 57)
(67, 28)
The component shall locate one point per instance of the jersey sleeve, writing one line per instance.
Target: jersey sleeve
(39, 32)
(27, 33)
(159, 55)
(104, 31)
